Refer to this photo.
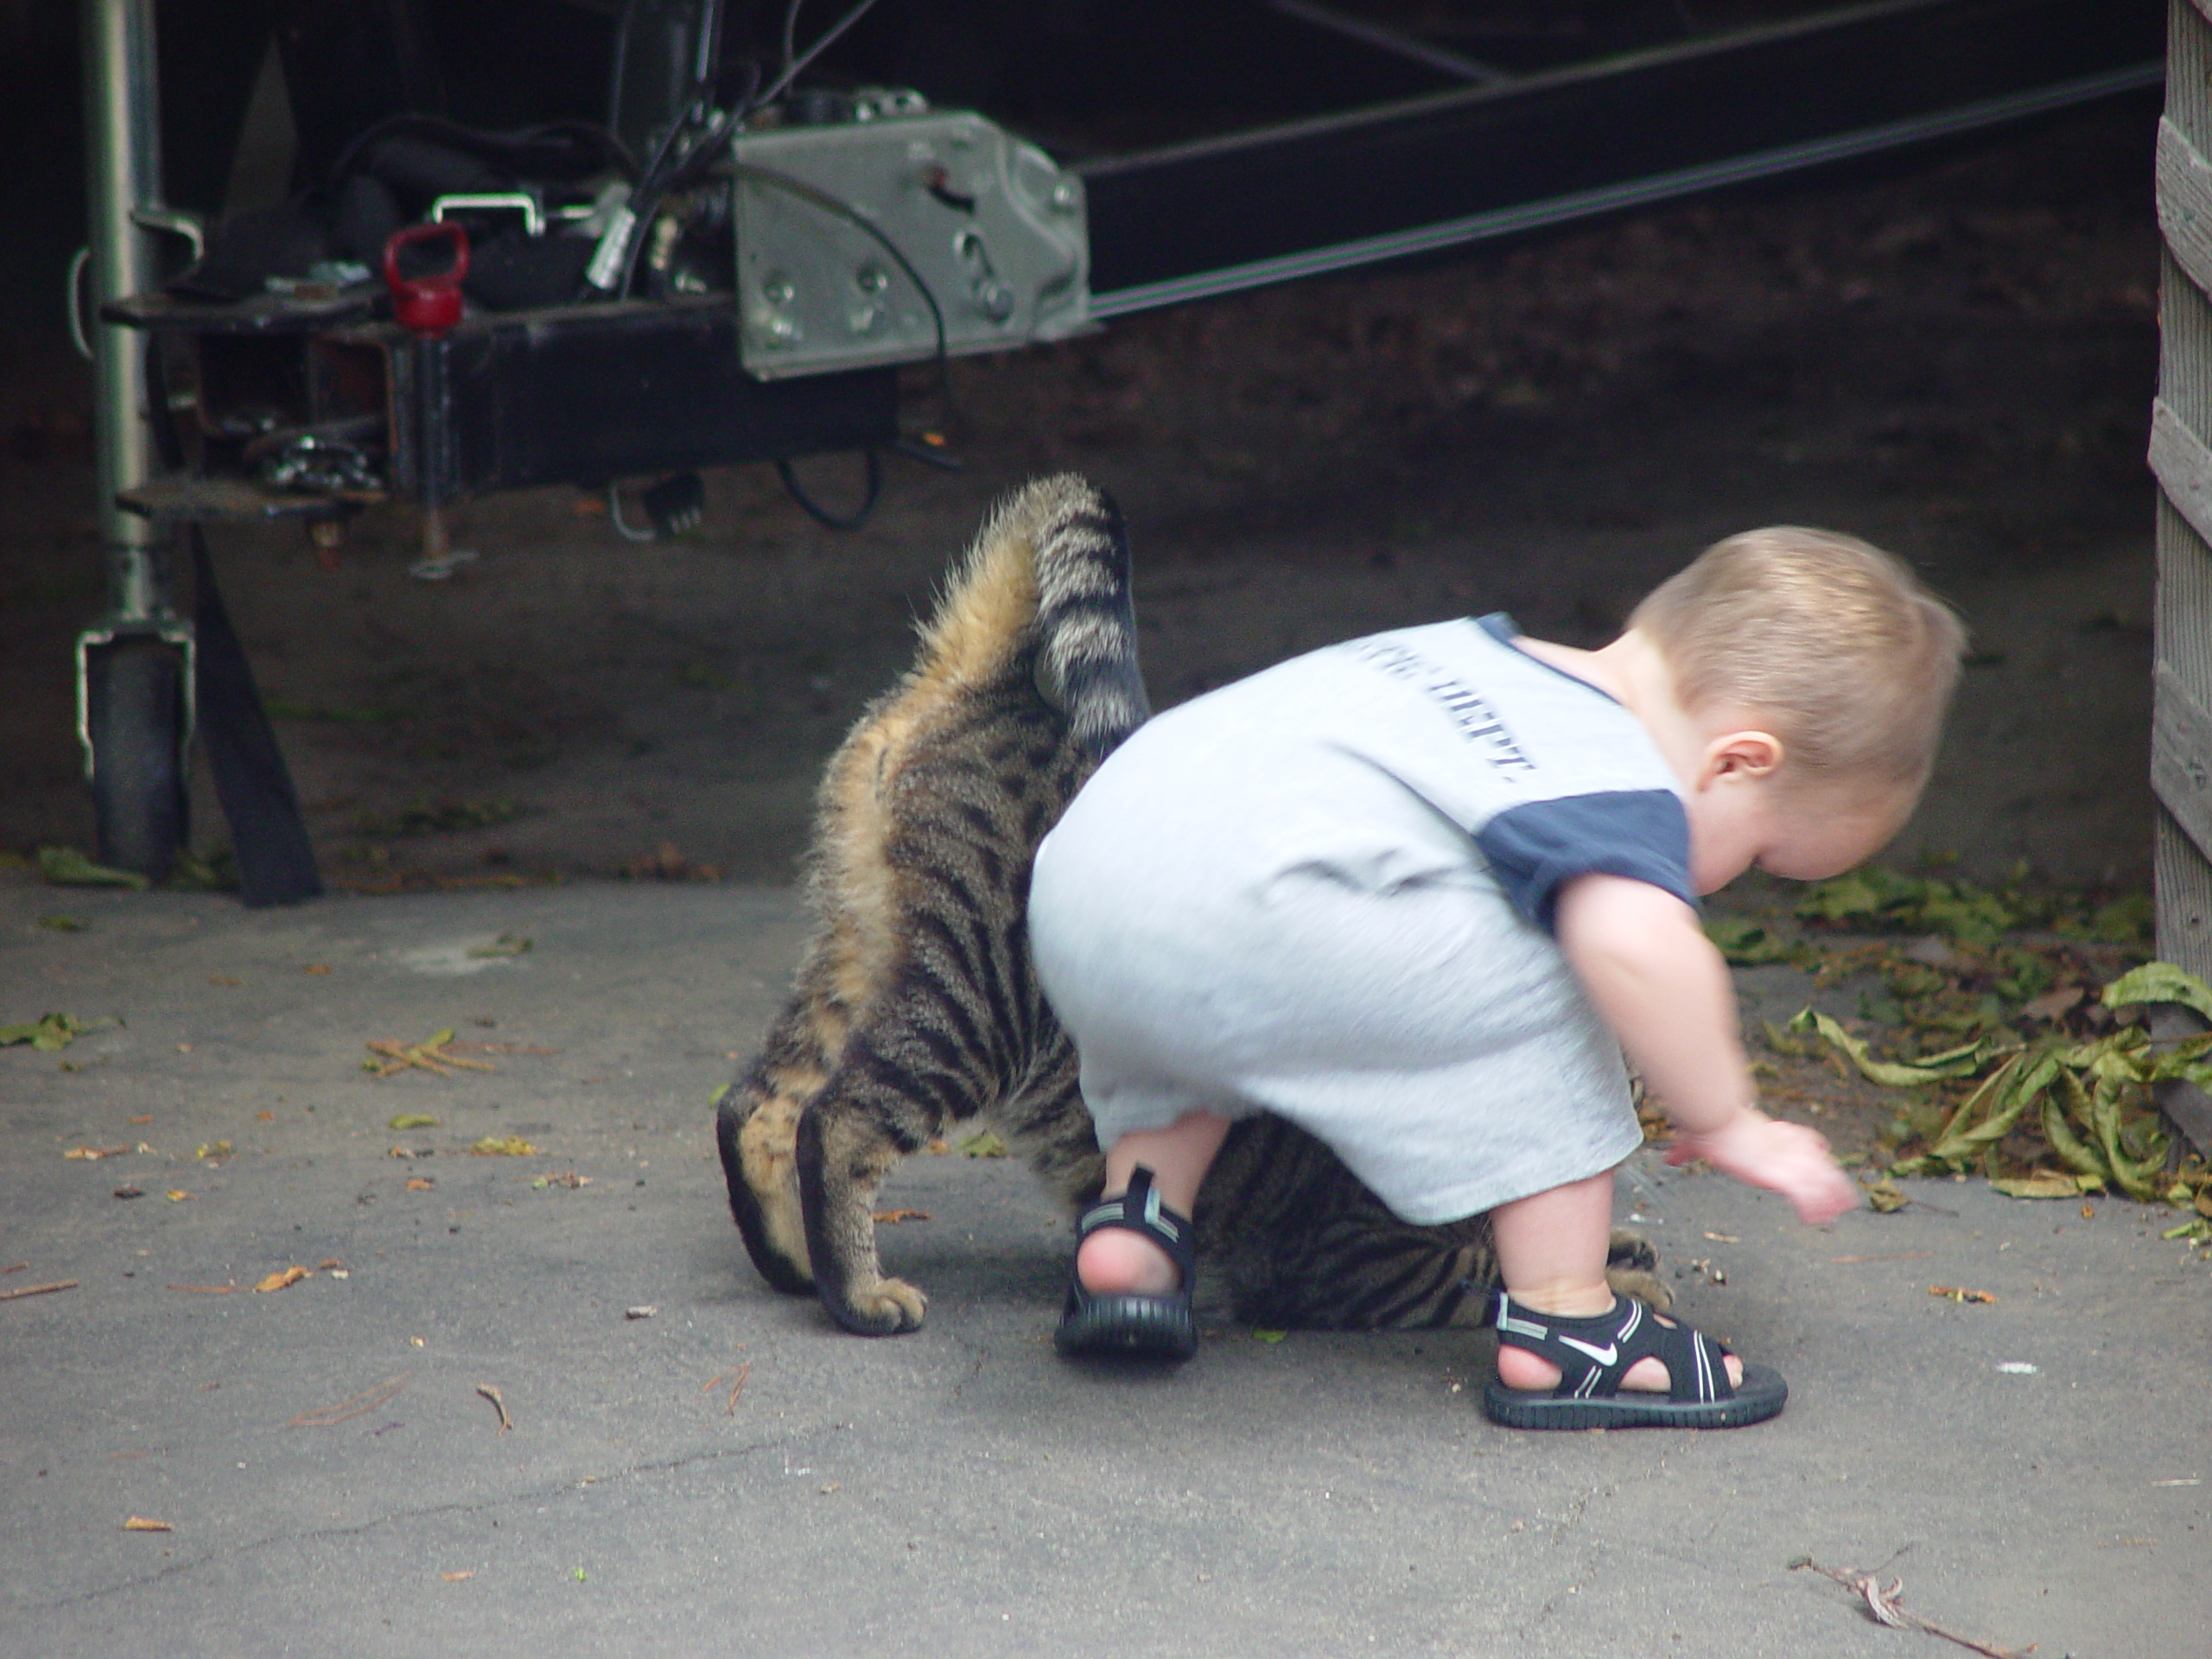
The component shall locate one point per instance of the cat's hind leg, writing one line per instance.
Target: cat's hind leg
(902, 1078)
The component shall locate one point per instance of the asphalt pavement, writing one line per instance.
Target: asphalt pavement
(696, 1465)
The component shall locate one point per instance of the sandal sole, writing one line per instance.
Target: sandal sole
(1150, 1326)
(1760, 1396)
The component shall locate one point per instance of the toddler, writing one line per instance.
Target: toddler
(1417, 894)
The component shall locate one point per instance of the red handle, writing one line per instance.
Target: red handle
(427, 305)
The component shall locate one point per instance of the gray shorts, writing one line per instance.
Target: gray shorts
(1437, 1042)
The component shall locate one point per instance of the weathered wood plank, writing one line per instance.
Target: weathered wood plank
(2183, 466)
(2185, 203)
(2181, 757)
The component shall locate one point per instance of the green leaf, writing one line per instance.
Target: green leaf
(984, 1144)
(2159, 981)
(2045, 1183)
(1270, 1337)
(1954, 1063)
(1744, 942)
(64, 867)
(51, 1031)
(412, 1121)
(720, 1095)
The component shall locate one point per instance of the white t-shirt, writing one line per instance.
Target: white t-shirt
(1326, 892)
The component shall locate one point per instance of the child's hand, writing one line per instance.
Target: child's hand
(1785, 1158)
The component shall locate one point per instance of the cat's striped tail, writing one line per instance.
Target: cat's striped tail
(1054, 552)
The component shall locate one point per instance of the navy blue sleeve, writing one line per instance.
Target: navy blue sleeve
(1534, 850)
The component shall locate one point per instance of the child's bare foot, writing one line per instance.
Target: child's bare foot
(1115, 1261)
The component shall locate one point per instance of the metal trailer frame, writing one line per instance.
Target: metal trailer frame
(587, 393)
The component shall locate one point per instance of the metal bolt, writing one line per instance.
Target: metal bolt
(870, 279)
(778, 290)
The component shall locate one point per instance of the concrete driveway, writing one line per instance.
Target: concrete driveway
(730, 1474)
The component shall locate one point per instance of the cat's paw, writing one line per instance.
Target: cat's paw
(888, 1307)
(1627, 1249)
(1644, 1286)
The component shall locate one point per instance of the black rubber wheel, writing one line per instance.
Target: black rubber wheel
(135, 709)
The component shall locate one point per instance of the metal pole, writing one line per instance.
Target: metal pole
(124, 160)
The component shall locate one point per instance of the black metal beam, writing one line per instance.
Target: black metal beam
(1414, 177)
(589, 393)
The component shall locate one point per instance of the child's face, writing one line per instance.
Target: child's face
(1802, 835)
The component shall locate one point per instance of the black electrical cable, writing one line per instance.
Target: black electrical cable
(815, 511)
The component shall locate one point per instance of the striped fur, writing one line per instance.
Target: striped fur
(915, 1007)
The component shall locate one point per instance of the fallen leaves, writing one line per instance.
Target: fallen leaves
(284, 1278)
(893, 1218)
(1961, 1293)
(412, 1121)
(206, 1290)
(984, 1144)
(507, 1146)
(420, 1183)
(567, 1178)
(499, 1404)
(432, 1055)
(143, 1524)
(89, 1153)
(368, 1401)
(2063, 1114)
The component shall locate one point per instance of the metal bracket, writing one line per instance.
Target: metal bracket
(511, 201)
(173, 221)
(167, 628)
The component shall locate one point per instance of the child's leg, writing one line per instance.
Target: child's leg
(1115, 1261)
(1551, 1253)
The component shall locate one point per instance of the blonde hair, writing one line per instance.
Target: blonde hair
(1832, 643)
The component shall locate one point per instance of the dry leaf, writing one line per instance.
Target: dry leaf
(2042, 1184)
(420, 1183)
(178, 1195)
(95, 1152)
(315, 968)
(510, 1145)
(130, 1191)
(893, 1218)
(1886, 1197)
(456, 1578)
(144, 1117)
(290, 1275)
(140, 1523)
(1961, 1293)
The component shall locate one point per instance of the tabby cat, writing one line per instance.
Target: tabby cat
(915, 1006)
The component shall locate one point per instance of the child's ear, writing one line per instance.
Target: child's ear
(1747, 756)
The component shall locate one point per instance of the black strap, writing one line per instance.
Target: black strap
(275, 859)
(1595, 1352)
(1140, 1210)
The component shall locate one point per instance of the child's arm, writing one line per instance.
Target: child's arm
(1656, 981)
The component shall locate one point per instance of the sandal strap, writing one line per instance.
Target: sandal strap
(1594, 1353)
(1138, 1210)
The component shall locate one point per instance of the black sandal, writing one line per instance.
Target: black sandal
(1159, 1327)
(1593, 1354)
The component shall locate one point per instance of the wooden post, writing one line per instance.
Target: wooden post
(2181, 736)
